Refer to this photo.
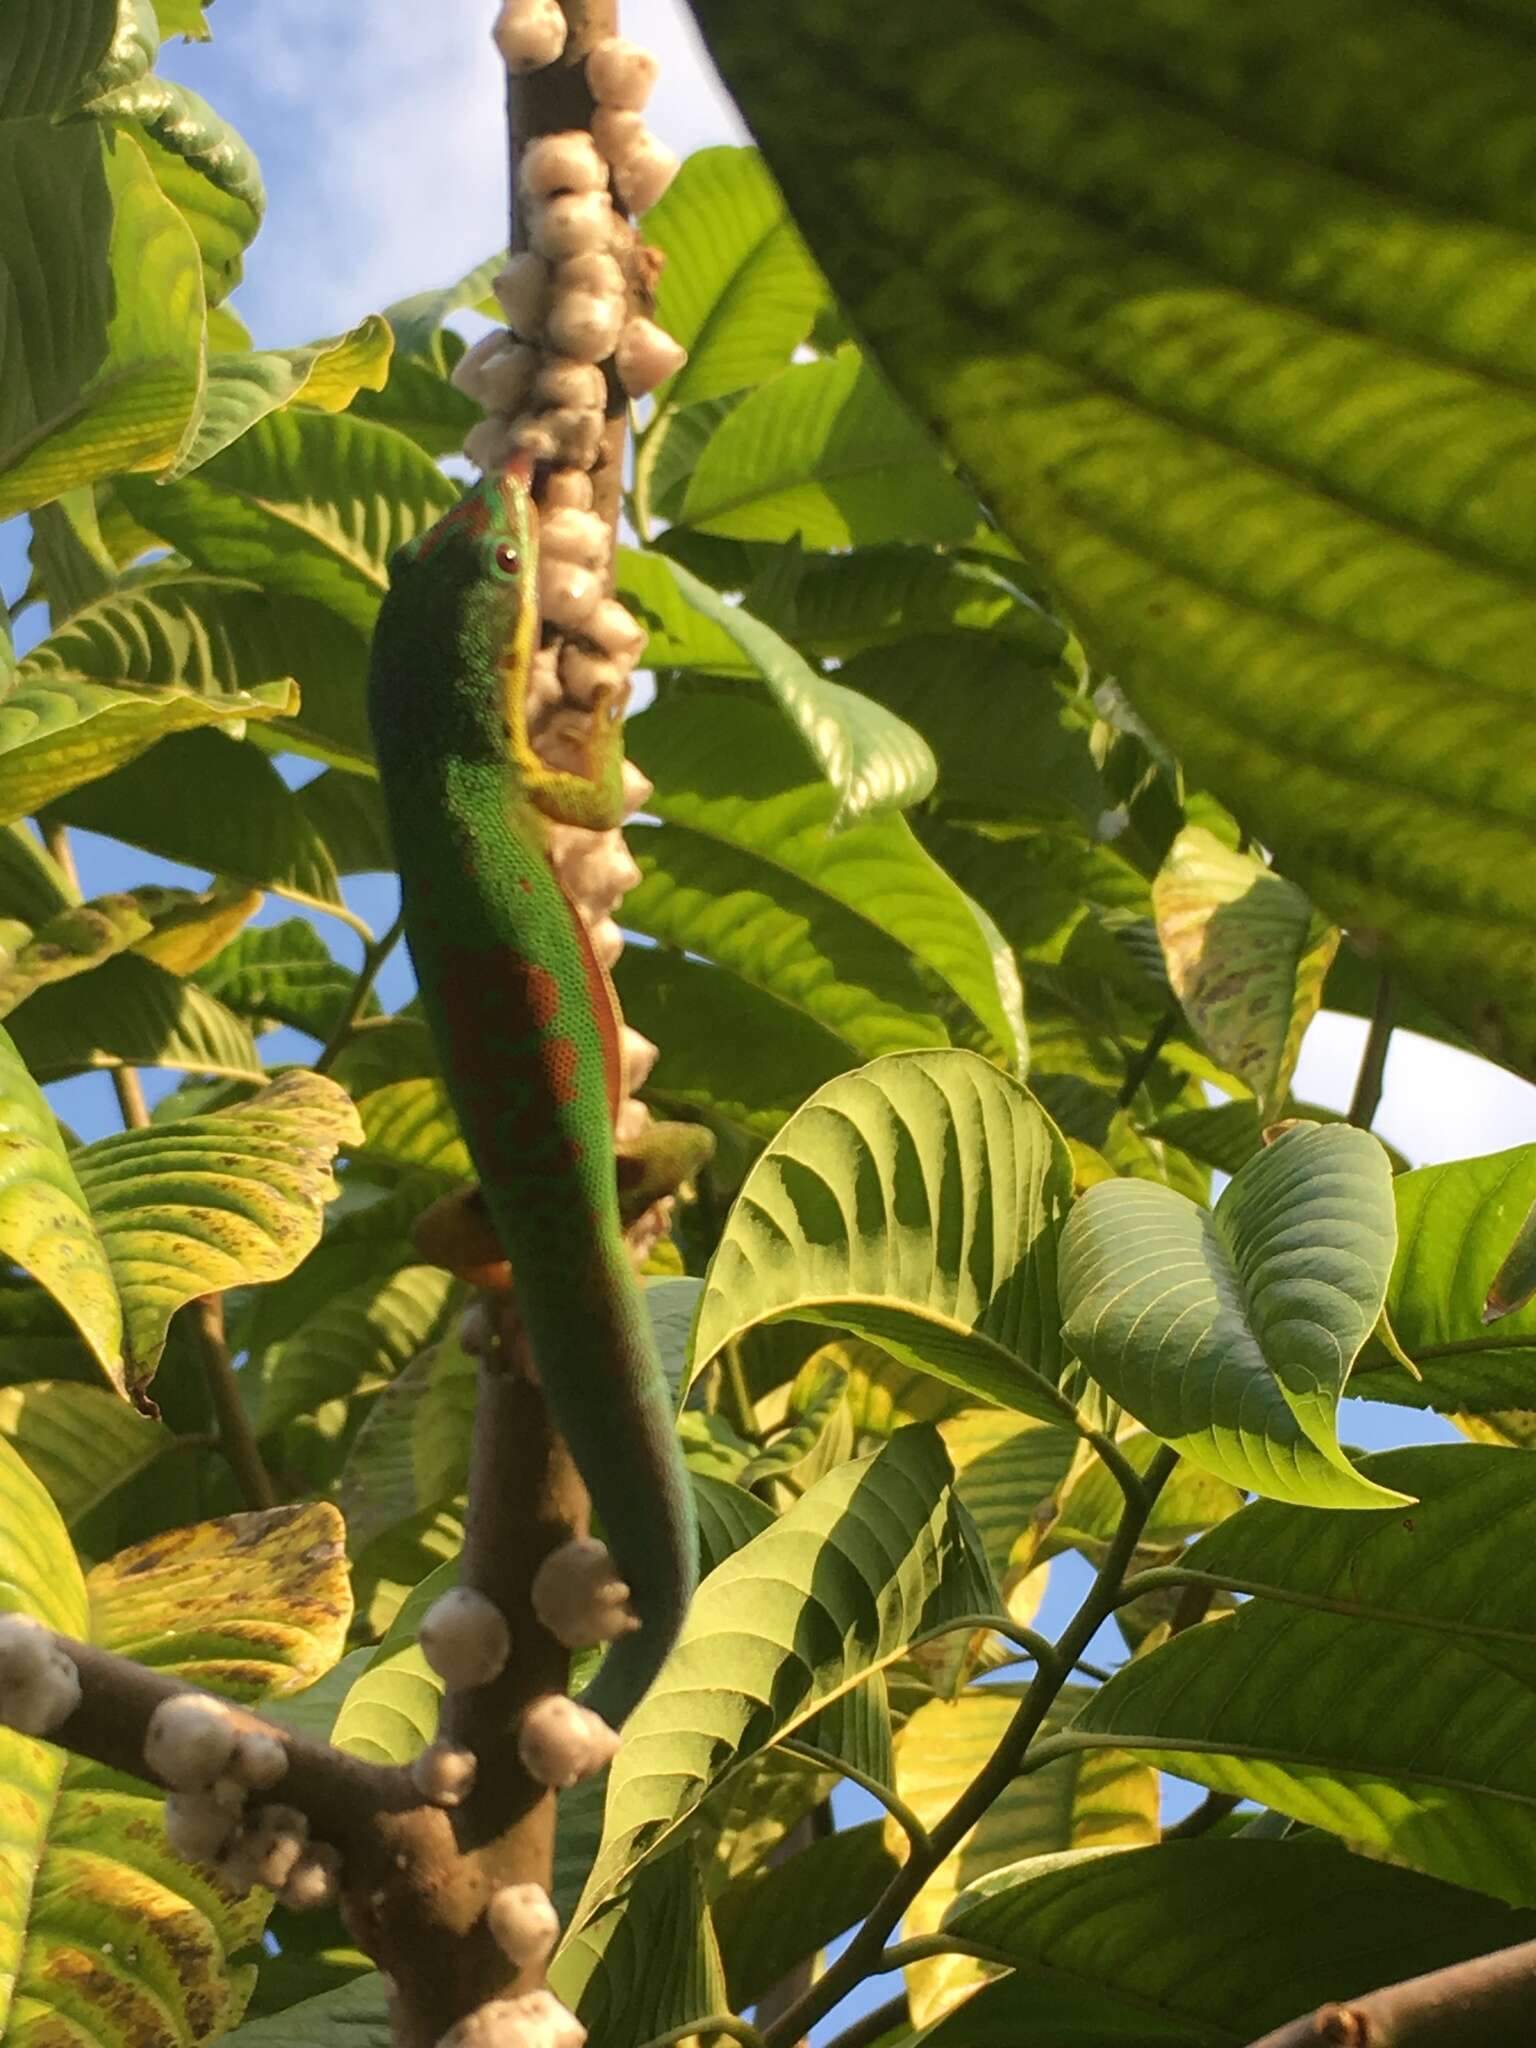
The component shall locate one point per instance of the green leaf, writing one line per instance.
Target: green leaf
(846, 604)
(1247, 956)
(777, 1914)
(81, 1442)
(1454, 1227)
(72, 943)
(1228, 442)
(131, 1013)
(211, 1202)
(33, 887)
(248, 1605)
(418, 401)
(215, 803)
(1202, 1942)
(168, 656)
(739, 290)
(45, 1220)
(352, 2015)
(101, 355)
(860, 930)
(874, 1554)
(204, 167)
(916, 1202)
(416, 320)
(826, 452)
(1226, 1135)
(1009, 745)
(647, 1962)
(728, 1051)
(246, 386)
(1381, 1684)
(412, 1451)
(1096, 1799)
(367, 1334)
(1515, 1282)
(70, 562)
(184, 18)
(48, 50)
(1231, 1334)
(306, 503)
(285, 973)
(872, 758)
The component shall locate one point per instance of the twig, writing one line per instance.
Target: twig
(1366, 1099)
(1489, 2002)
(375, 953)
(237, 1440)
(1143, 1063)
(863, 1954)
(130, 1098)
(922, 1946)
(883, 1795)
(1213, 1808)
(873, 2026)
(62, 854)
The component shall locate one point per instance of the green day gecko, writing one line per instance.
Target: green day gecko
(526, 1024)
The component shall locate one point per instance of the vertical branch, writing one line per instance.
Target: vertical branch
(1373, 1061)
(236, 1439)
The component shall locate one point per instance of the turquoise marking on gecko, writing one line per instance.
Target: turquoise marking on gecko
(526, 1024)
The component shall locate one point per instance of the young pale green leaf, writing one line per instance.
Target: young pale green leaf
(876, 1553)
(918, 1203)
(71, 943)
(872, 757)
(1247, 956)
(739, 291)
(1455, 1226)
(248, 1605)
(45, 1219)
(101, 355)
(1379, 1683)
(246, 386)
(825, 451)
(1206, 1942)
(646, 1962)
(131, 1013)
(81, 1441)
(1231, 1334)
(1227, 447)
(859, 930)
(211, 1202)
(1095, 1799)
(189, 926)
(307, 503)
(203, 165)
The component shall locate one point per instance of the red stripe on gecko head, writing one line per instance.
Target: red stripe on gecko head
(469, 517)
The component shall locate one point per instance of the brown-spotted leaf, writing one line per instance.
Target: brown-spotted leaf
(191, 927)
(251, 1606)
(187, 1208)
(1246, 955)
(75, 941)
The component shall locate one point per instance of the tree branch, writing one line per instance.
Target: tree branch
(237, 1440)
(863, 1954)
(375, 953)
(873, 2026)
(1366, 1099)
(1489, 2002)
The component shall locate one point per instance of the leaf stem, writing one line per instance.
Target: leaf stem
(873, 2026)
(922, 1946)
(130, 1098)
(1013, 1754)
(1141, 1066)
(1366, 1099)
(717, 2023)
(375, 953)
(237, 1440)
(892, 1801)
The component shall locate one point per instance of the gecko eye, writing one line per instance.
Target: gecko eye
(508, 560)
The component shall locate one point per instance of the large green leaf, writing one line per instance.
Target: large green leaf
(211, 1202)
(1246, 954)
(826, 452)
(1382, 1681)
(918, 1203)
(779, 1913)
(365, 1335)
(45, 1220)
(1205, 1944)
(212, 802)
(101, 349)
(131, 1013)
(872, 758)
(307, 503)
(352, 2015)
(1231, 1334)
(861, 930)
(205, 168)
(875, 1553)
(245, 386)
(82, 1442)
(647, 1962)
(1220, 306)
(284, 972)
(48, 50)
(1455, 1224)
